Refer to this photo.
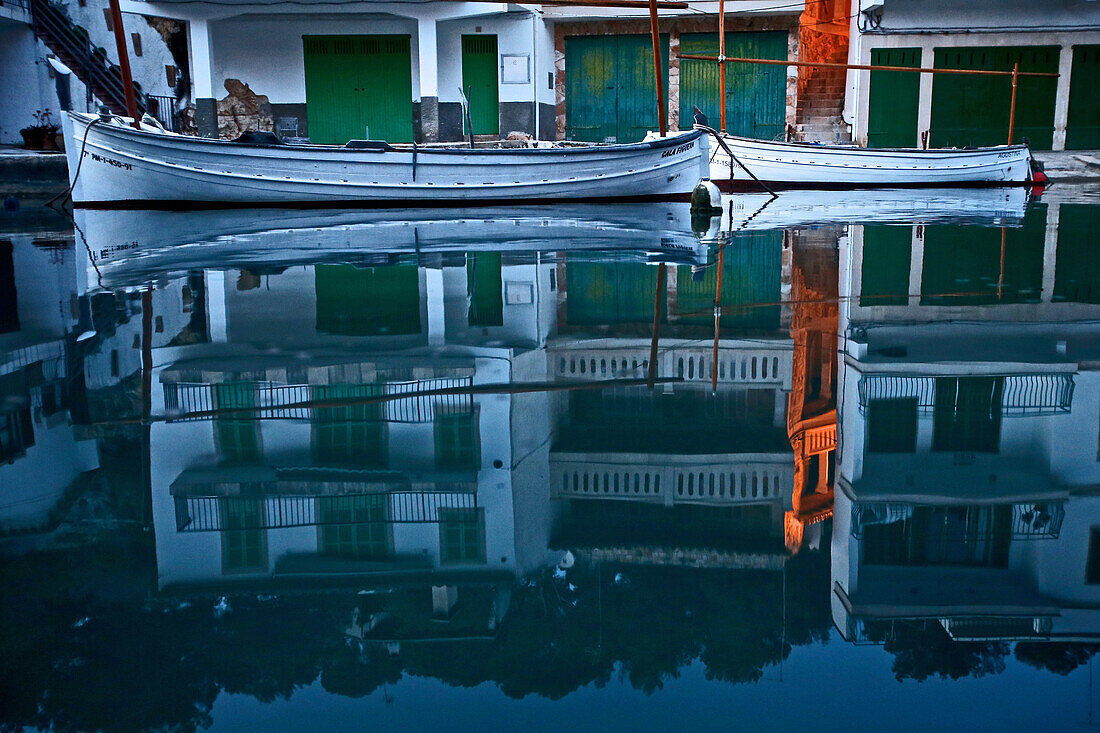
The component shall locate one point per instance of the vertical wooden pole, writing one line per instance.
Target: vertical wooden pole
(717, 319)
(658, 301)
(1012, 107)
(722, 64)
(662, 122)
(124, 64)
(1001, 276)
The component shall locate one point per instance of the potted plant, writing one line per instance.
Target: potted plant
(41, 135)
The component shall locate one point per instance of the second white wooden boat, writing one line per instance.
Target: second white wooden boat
(113, 165)
(813, 165)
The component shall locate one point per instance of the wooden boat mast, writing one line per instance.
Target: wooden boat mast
(124, 64)
(654, 32)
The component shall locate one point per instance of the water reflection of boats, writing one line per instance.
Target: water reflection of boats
(151, 168)
(759, 211)
(126, 246)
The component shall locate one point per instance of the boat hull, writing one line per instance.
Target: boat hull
(802, 165)
(115, 166)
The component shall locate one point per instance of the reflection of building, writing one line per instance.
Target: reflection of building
(969, 406)
(431, 489)
(678, 475)
(40, 452)
(811, 411)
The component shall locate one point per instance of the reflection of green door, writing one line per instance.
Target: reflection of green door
(484, 288)
(756, 94)
(479, 81)
(971, 109)
(606, 293)
(377, 301)
(893, 99)
(1077, 268)
(351, 435)
(1083, 124)
(967, 265)
(358, 87)
(238, 433)
(887, 251)
(750, 285)
(610, 90)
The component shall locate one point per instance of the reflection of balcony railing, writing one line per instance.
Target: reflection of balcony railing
(821, 439)
(735, 365)
(976, 628)
(1024, 394)
(1030, 520)
(209, 513)
(731, 483)
(271, 400)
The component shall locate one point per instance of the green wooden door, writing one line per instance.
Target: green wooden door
(973, 110)
(894, 97)
(756, 94)
(610, 91)
(358, 87)
(479, 81)
(484, 287)
(750, 279)
(1083, 125)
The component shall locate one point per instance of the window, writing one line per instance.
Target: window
(1092, 568)
(244, 541)
(355, 527)
(9, 301)
(352, 435)
(892, 425)
(457, 440)
(931, 536)
(967, 414)
(461, 536)
(237, 434)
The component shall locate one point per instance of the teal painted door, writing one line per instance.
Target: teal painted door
(973, 110)
(1077, 268)
(610, 91)
(894, 96)
(358, 87)
(1083, 125)
(479, 82)
(756, 94)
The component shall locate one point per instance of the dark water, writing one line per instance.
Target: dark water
(288, 470)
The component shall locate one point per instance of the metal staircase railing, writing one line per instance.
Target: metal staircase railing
(75, 50)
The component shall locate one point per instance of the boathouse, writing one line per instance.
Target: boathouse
(903, 109)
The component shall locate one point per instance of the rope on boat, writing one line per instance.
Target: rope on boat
(716, 136)
(79, 162)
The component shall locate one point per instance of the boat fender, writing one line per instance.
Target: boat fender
(256, 137)
(706, 198)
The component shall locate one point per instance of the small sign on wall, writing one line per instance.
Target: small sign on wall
(515, 69)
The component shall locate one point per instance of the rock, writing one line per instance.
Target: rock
(243, 110)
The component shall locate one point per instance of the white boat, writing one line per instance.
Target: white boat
(113, 165)
(813, 165)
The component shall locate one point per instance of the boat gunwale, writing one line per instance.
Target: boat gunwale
(643, 145)
(849, 149)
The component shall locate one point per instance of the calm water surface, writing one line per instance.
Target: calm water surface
(483, 470)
